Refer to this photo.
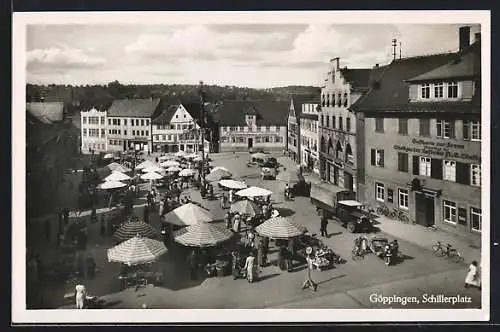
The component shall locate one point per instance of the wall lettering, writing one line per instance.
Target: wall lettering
(440, 149)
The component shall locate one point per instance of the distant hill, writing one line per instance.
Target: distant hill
(101, 96)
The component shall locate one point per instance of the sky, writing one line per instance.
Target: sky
(251, 55)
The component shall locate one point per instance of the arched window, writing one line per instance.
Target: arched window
(349, 158)
(323, 144)
(330, 146)
(338, 150)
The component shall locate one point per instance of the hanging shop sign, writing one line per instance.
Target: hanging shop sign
(437, 148)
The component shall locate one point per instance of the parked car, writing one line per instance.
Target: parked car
(341, 206)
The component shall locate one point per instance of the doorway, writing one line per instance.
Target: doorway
(250, 142)
(424, 206)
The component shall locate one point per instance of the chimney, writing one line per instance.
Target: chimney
(337, 60)
(477, 37)
(463, 37)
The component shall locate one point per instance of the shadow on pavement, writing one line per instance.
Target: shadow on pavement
(330, 279)
(285, 212)
(375, 230)
(333, 234)
(269, 276)
(401, 258)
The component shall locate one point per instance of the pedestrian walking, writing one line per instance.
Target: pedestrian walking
(472, 279)
(46, 227)
(227, 220)
(146, 214)
(309, 283)
(250, 267)
(323, 226)
(80, 296)
(236, 223)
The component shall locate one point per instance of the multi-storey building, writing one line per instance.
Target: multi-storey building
(245, 125)
(93, 131)
(309, 136)
(337, 128)
(129, 124)
(293, 130)
(177, 129)
(421, 128)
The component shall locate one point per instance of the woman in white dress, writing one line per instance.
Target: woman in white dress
(80, 296)
(473, 279)
(250, 267)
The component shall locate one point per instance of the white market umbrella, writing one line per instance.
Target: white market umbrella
(145, 164)
(187, 172)
(151, 176)
(188, 214)
(174, 169)
(112, 185)
(233, 184)
(117, 176)
(218, 174)
(118, 168)
(153, 168)
(280, 228)
(137, 250)
(222, 168)
(259, 155)
(166, 157)
(254, 192)
(180, 153)
(169, 163)
(108, 156)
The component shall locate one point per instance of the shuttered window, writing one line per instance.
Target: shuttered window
(415, 165)
(425, 127)
(463, 173)
(403, 126)
(436, 169)
(402, 162)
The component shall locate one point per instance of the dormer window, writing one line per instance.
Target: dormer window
(425, 91)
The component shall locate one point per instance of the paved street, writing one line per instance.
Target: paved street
(347, 285)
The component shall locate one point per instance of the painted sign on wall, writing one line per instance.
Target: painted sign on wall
(437, 148)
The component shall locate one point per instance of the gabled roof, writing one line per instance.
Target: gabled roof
(357, 78)
(134, 108)
(268, 113)
(467, 64)
(46, 112)
(388, 88)
(299, 100)
(193, 109)
(165, 116)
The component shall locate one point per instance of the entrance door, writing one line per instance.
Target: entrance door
(348, 181)
(424, 210)
(250, 142)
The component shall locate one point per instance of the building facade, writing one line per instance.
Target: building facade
(129, 124)
(176, 129)
(252, 125)
(293, 131)
(422, 151)
(309, 136)
(93, 131)
(337, 129)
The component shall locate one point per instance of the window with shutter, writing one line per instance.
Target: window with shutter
(424, 127)
(373, 156)
(463, 172)
(452, 129)
(415, 165)
(402, 162)
(436, 169)
(466, 129)
(380, 158)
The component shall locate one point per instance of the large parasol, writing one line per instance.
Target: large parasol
(233, 184)
(137, 250)
(280, 228)
(218, 174)
(169, 163)
(112, 185)
(145, 164)
(180, 153)
(116, 167)
(254, 192)
(187, 172)
(202, 235)
(259, 155)
(246, 207)
(173, 169)
(188, 214)
(151, 176)
(117, 176)
(130, 229)
(153, 168)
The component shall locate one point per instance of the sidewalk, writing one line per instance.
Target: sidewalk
(416, 234)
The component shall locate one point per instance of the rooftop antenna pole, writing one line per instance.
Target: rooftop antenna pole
(394, 45)
(399, 50)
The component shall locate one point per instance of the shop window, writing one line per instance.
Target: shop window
(450, 170)
(450, 212)
(379, 191)
(475, 219)
(403, 198)
(475, 175)
(379, 125)
(403, 162)
(445, 129)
